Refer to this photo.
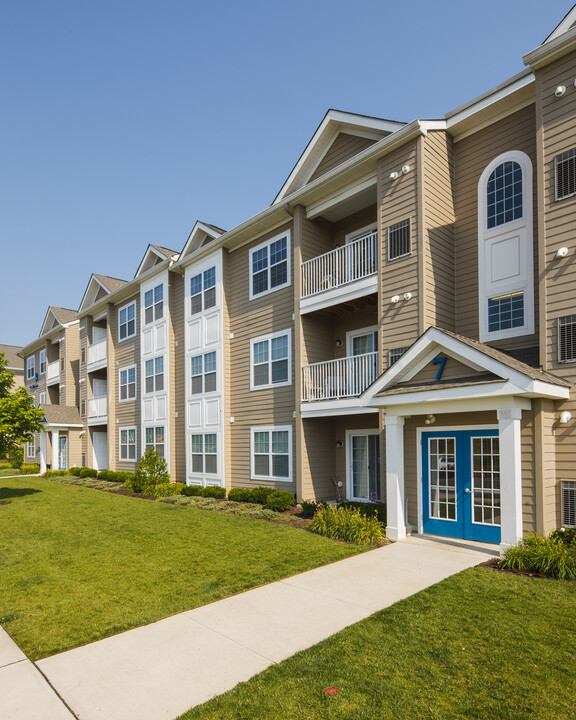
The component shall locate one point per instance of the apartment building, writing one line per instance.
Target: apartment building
(399, 325)
(14, 363)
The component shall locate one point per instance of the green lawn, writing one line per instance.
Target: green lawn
(480, 645)
(77, 565)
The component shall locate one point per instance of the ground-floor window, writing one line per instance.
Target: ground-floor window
(204, 453)
(128, 443)
(271, 455)
(155, 439)
(31, 449)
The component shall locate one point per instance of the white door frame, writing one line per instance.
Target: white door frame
(349, 476)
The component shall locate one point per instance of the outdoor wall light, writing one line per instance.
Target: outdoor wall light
(394, 175)
(565, 416)
(430, 420)
(560, 90)
(339, 443)
(395, 298)
(339, 343)
(405, 169)
(408, 296)
(562, 252)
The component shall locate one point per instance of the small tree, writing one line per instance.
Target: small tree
(19, 417)
(152, 470)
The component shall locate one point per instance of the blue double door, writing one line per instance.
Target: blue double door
(461, 484)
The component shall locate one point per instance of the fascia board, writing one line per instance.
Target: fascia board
(563, 25)
(334, 408)
(466, 392)
(544, 389)
(455, 406)
(61, 425)
(551, 50)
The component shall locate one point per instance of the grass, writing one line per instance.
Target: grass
(478, 645)
(10, 472)
(77, 565)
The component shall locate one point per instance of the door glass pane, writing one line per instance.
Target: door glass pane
(360, 466)
(486, 480)
(364, 344)
(442, 478)
(374, 466)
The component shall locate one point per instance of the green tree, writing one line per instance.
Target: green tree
(19, 417)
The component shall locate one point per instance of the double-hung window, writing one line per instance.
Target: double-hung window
(154, 439)
(127, 383)
(42, 362)
(30, 368)
(271, 453)
(42, 399)
(128, 443)
(30, 449)
(203, 291)
(203, 368)
(153, 304)
(270, 360)
(154, 374)
(270, 266)
(205, 453)
(127, 321)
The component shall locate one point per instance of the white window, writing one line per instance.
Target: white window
(154, 375)
(127, 443)
(127, 321)
(205, 453)
(505, 252)
(399, 240)
(30, 449)
(567, 339)
(42, 398)
(42, 362)
(270, 265)
(154, 439)
(270, 360)
(203, 291)
(153, 304)
(395, 354)
(30, 368)
(203, 369)
(127, 383)
(565, 167)
(271, 453)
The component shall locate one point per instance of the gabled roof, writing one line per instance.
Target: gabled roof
(334, 123)
(202, 233)
(566, 23)
(14, 362)
(493, 374)
(56, 317)
(64, 415)
(98, 286)
(154, 255)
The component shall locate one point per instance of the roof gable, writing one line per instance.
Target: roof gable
(202, 234)
(335, 123)
(567, 22)
(98, 287)
(154, 255)
(56, 317)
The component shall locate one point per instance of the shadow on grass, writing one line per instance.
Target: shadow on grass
(10, 493)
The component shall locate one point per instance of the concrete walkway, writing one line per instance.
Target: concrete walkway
(161, 670)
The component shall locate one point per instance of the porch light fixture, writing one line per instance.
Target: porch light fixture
(430, 420)
(560, 90)
(394, 175)
(339, 343)
(565, 417)
(408, 296)
(562, 252)
(405, 169)
(395, 298)
(339, 443)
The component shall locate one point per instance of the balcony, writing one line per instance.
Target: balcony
(97, 356)
(339, 379)
(53, 373)
(342, 274)
(98, 410)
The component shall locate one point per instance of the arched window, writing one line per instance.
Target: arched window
(505, 248)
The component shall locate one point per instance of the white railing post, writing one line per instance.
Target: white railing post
(339, 379)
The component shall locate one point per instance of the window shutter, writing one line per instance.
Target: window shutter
(565, 166)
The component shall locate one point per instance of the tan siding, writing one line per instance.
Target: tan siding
(316, 238)
(249, 319)
(344, 147)
(177, 397)
(85, 327)
(453, 369)
(319, 453)
(438, 254)
(227, 380)
(472, 155)
(72, 364)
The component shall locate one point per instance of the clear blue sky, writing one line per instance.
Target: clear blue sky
(122, 123)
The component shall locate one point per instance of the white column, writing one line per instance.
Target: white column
(509, 427)
(54, 449)
(396, 525)
(43, 452)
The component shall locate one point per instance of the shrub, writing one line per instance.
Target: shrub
(192, 490)
(309, 507)
(5, 465)
(240, 495)
(213, 491)
(280, 500)
(86, 472)
(56, 473)
(369, 509)
(75, 471)
(152, 470)
(105, 474)
(545, 556)
(261, 494)
(16, 456)
(29, 468)
(163, 489)
(347, 523)
(567, 535)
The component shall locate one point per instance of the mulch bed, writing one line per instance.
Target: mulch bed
(494, 564)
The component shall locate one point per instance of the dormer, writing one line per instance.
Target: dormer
(155, 255)
(202, 234)
(99, 286)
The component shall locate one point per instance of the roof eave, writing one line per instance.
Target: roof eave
(551, 50)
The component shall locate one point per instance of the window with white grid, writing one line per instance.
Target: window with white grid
(569, 503)
(399, 240)
(127, 383)
(567, 339)
(154, 375)
(203, 291)
(203, 368)
(565, 172)
(205, 453)
(153, 304)
(154, 439)
(486, 480)
(128, 443)
(395, 354)
(270, 360)
(442, 470)
(271, 453)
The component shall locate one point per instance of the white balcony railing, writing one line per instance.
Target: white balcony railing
(53, 372)
(338, 379)
(353, 261)
(97, 352)
(98, 407)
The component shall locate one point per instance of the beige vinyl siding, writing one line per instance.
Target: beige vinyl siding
(397, 201)
(352, 223)
(438, 251)
(472, 155)
(316, 239)
(72, 363)
(319, 459)
(344, 147)
(74, 448)
(453, 369)
(62, 367)
(527, 440)
(123, 414)
(177, 380)
(86, 444)
(250, 319)
(227, 374)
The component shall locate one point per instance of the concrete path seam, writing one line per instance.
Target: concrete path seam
(55, 691)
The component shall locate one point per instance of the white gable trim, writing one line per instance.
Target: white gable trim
(150, 251)
(93, 279)
(199, 227)
(563, 26)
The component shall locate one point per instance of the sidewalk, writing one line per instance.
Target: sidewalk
(161, 670)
